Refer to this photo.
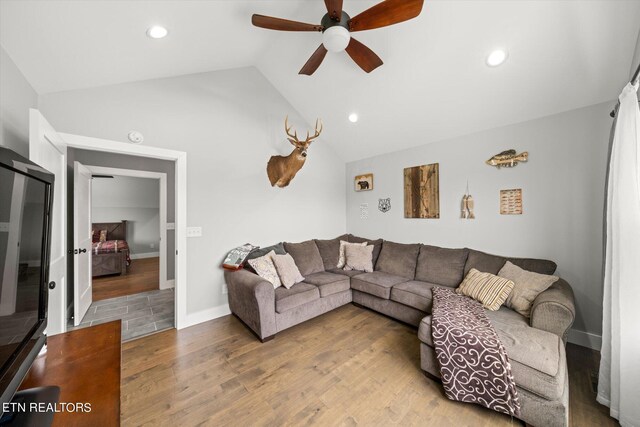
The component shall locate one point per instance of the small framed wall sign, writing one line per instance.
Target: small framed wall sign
(364, 182)
(511, 202)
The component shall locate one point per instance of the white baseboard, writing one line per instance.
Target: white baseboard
(168, 284)
(585, 339)
(145, 255)
(206, 315)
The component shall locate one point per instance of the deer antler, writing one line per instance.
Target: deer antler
(294, 138)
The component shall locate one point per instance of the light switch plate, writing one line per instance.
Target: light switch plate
(194, 231)
(171, 226)
(4, 227)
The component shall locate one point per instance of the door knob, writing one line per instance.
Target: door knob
(52, 285)
(83, 251)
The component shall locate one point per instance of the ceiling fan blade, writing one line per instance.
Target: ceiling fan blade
(280, 24)
(388, 12)
(334, 7)
(314, 62)
(363, 56)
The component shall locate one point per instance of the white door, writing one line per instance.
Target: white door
(81, 241)
(48, 150)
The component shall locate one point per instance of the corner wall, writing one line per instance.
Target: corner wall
(16, 97)
(229, 123)
(563, 199)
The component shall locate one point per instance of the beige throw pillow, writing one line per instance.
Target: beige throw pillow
(343, 244)
(489, 289)
(359, 258)
(527, 286)
(266, 269)
(287, 270)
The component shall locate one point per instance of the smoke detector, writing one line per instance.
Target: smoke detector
(135, 137)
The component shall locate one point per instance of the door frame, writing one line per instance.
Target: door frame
(162, 177)
(180, 159)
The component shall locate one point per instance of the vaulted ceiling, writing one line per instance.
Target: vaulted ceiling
(434, 84)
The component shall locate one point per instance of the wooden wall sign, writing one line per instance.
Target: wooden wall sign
(422, 192)
(511, 202)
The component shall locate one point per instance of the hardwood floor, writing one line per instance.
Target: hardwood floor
(350, 366)
(143, 276)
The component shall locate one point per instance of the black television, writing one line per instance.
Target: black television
(26, 196)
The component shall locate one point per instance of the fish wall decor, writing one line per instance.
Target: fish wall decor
(508, 159)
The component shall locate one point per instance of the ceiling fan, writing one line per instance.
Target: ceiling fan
(336, 26)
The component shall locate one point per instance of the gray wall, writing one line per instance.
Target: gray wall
(16, 97)
(563, 197)
(229, 123)
(136, 200)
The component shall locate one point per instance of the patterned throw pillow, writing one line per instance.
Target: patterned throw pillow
(527, 286)
(95, 236)
(489, 289)
(266, 269)
(103, 235)
(343, 244)
(358, 257)
(287, 270)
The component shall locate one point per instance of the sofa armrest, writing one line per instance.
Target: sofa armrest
(252, 299)
(554, 310)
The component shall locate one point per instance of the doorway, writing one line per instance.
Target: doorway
(49, 149)
(128, 256)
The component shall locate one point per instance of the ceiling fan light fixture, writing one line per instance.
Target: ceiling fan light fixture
(336, 38)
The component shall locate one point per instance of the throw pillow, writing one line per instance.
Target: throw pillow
(266, 269)
(103, 236)
(489, 289)
(287, 270)
(527, 286)
(359, 258)
(341, 256)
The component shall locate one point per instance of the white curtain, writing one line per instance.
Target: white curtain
(619, 382)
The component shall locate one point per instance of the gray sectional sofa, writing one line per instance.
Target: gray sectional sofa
(400, 287)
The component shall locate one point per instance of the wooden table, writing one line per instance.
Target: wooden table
(85, 364)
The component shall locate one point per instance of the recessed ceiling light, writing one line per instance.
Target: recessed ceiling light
(353, 117)
(496, 57)
(157, 32)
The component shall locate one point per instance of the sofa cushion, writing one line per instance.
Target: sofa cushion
(329, 250)
(488, 263)
(306, 255)
(377, 245)
(298, 294)
(441, 265)
(328, 283)
(377, 283)
(358, 258)
(538, 360)
(398, 259)
(415, 294)
(278, 248)
(348, 273)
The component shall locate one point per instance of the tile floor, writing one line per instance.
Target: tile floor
(141, 314)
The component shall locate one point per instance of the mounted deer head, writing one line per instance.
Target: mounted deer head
(281, 169)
